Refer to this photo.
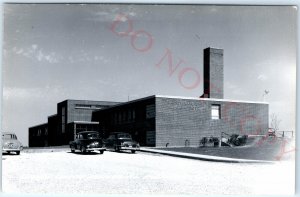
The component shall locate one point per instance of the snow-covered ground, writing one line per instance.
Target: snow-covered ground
(43, 171)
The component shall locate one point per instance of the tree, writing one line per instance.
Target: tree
(275, 122)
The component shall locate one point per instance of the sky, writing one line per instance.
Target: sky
(115, 52)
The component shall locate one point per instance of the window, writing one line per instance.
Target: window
(63, 112)
(133, 114)
(39, 132)
(150, 111)
(215, 112)
(116, 117)
(83, 106)
(111, 137)
(129, 115)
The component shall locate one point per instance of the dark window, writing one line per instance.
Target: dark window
(83, 106)
(129, 115)
(63, 111)
(111, 137)
(133, 114)
(150, 111)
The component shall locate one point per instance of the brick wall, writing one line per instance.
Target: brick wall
(186, 121)
(213, 73)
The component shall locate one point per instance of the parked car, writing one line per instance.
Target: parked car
(238, 140)
(272, 132)
(121, 141)
(87, 141)
(10, 143)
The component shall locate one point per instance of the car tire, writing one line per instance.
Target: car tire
(82, 149)
(17, 152)
(101, 151)
(237, 142)
(133, 151)
(72, 149)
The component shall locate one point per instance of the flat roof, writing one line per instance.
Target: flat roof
(124, 103)
(210, 99)
(52, 115)
(94, 101)
(43, 124)
(182, 97)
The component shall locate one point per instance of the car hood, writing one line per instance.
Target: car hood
(91, 140)
(128, 141)
(11, 141)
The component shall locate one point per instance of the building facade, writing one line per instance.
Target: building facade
(161, 120)
(181, 121)
(38, 136)
(72, 117)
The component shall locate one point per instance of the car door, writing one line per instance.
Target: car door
(77, 141)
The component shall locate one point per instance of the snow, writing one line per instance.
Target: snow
(61, 172)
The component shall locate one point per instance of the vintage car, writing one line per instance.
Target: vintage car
(121, 141)
(10, 143)
(87, 141)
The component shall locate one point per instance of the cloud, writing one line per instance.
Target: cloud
(234, 89)
(18, 93)
(36, 53)
(34, 46)
(85, 57)
(262, 77)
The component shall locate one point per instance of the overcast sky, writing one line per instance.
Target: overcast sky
(57, 52)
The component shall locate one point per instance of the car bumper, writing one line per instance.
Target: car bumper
(129, 148)
(11, 149)
(95, 149)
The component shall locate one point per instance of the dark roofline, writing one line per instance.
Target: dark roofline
(128, 102)
(39, 125)
(88, 101)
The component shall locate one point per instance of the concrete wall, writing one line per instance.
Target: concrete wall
(179, 120)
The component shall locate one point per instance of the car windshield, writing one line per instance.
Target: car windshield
(125, 135)
(91, 136)
(9, 136)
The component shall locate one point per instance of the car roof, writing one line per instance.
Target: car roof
(5, 133)
(87, 132)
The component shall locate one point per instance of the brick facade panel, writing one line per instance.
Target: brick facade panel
(179, 120)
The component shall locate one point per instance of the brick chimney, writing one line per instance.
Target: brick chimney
(213, 73)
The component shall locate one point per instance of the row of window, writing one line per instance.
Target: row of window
(123, 116)
(39, 132)
(83, 106)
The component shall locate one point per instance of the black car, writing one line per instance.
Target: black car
(87, 141)
(121, 141)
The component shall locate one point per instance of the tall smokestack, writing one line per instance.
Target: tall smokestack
(213, 73)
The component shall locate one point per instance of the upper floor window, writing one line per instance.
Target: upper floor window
(215, 112)
(150, 111)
